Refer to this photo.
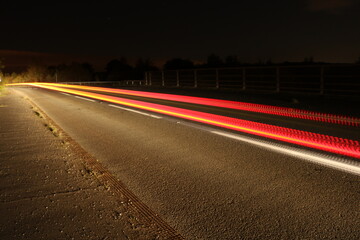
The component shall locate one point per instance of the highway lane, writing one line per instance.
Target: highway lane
(208, 186)
(304, 138)
(338, 130)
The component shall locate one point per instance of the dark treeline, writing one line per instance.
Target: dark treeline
(215, 61)
(119, 69)
(115, 70)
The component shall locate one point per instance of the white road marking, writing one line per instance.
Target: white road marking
(135, 111)
(90, 100)
(155, 116)
(66, 94)
(329, 161)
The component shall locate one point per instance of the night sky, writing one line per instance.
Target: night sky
(327, 30)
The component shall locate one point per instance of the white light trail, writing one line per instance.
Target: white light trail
(322, 159)
(135, 111)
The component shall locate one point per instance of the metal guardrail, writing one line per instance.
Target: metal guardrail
(110, 84)
(340, 79)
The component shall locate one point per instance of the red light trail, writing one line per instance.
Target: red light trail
(252, 107)
(313, 140)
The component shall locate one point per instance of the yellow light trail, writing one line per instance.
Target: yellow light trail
(313, 140)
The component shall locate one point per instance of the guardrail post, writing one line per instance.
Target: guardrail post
(244, 79)
(217, 78)
(277, 79)
(195, 79)
(322, 80)
(177, 79)
(149, 76)
(146, 78)
(162, 78)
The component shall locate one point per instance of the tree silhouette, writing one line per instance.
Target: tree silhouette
(232, 61)
(269, 61)
(309, 59)
(88, 67)
(143, 66)
(75, 72)
(214, 61)
(117, 70)
(2, 66)
(358, 60)
(178, 63)
(36, 73)
(117, 65)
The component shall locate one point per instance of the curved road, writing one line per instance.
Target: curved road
(208, 186)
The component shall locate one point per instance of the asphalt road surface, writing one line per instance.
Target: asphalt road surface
(208, 186)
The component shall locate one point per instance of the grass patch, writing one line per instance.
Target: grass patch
(50, 127)
(53, 130)
(3, 90)
(38, 114)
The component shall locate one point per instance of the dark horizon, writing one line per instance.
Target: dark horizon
(18, 61)
(326, 30)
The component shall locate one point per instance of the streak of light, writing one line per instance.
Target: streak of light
(252, 107)
(135, 111)
(313, 140)
(337, 163)
(90, 100)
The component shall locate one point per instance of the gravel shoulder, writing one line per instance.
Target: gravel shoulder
(48, 191)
